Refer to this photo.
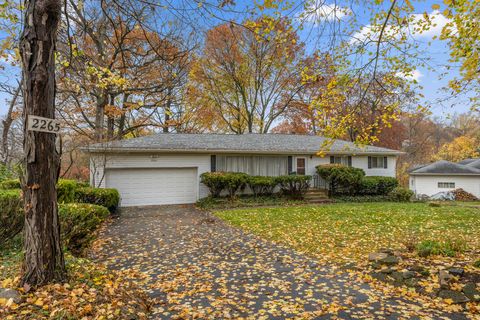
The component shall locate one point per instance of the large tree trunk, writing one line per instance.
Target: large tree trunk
(44, 260)
(100, 118)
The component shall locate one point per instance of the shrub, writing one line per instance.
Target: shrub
(293, 185)
(10, 184)
(66, 190)
(401, 194)
(78, 223)
(261, 186)
(6, 172)
(476, 264)
(215, 182)
(374, 185)
(11, 214)
(108, 198)
(447, 248)
(340, 177)
(235, 181)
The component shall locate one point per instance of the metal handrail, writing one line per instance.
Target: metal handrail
(319, 182)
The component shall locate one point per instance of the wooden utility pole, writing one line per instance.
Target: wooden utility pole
(44, 261)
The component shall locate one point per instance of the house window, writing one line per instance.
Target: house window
(377, 162)
(345, 160)
(446, 185)
(301, 166)
(253, 165)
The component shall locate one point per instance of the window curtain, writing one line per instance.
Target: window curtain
(254, 165)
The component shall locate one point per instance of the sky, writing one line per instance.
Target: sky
(431, 81)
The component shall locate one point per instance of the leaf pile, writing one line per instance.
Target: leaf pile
(92, 292)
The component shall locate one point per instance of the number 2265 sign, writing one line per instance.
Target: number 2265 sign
(42, 124)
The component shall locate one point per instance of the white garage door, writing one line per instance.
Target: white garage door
(141, 187)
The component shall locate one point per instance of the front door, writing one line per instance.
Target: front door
(301, 164)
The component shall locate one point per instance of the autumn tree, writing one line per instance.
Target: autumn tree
(44, 260)
(463, 37)
(118, 76)
(10, 27)
(247, 76)
(460, 148)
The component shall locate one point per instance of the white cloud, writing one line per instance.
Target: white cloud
(319, 11)
(415, 22)
(414, 75)
(437, 19)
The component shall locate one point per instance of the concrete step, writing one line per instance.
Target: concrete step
(320, 201)
(316, 196)
(317, 192)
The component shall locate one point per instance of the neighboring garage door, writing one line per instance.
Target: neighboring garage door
(140, 187)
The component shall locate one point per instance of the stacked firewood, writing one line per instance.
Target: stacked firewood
(462, 195)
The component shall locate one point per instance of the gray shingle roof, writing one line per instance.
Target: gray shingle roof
(467, 161)
(255, 143)
(446, 167)
(474, 164)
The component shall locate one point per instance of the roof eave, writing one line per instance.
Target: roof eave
(149, 150)
(443, 174)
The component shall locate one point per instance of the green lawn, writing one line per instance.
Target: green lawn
(349, 231)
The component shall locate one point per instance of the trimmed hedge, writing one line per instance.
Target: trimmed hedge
(235, 181)
(293, 185)
(11, 214)
(342, 179)
(374, 185)
(66, 190)
(401, 194)
(10, 184)
(262, 186)
(108, 198)
(215, 182)
(78, 223)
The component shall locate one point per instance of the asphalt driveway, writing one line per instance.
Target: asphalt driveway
(199, 267)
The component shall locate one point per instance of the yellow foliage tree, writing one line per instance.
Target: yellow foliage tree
(460, 148)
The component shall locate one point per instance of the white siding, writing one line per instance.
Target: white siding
(357, 162)
(99, 163)
(429, 184)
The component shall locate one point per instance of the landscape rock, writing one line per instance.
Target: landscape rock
(408, 274)
(10, 294)
(445, 279)
(397, 276)
(412, 282)
(420, 269)
(470, 290)
(390, 260)
(455, 296)
(380, 276)
(377, 256)
(384, 257)
(386, 270)
(457, 272)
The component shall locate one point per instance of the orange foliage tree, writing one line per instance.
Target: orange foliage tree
(247, 76)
